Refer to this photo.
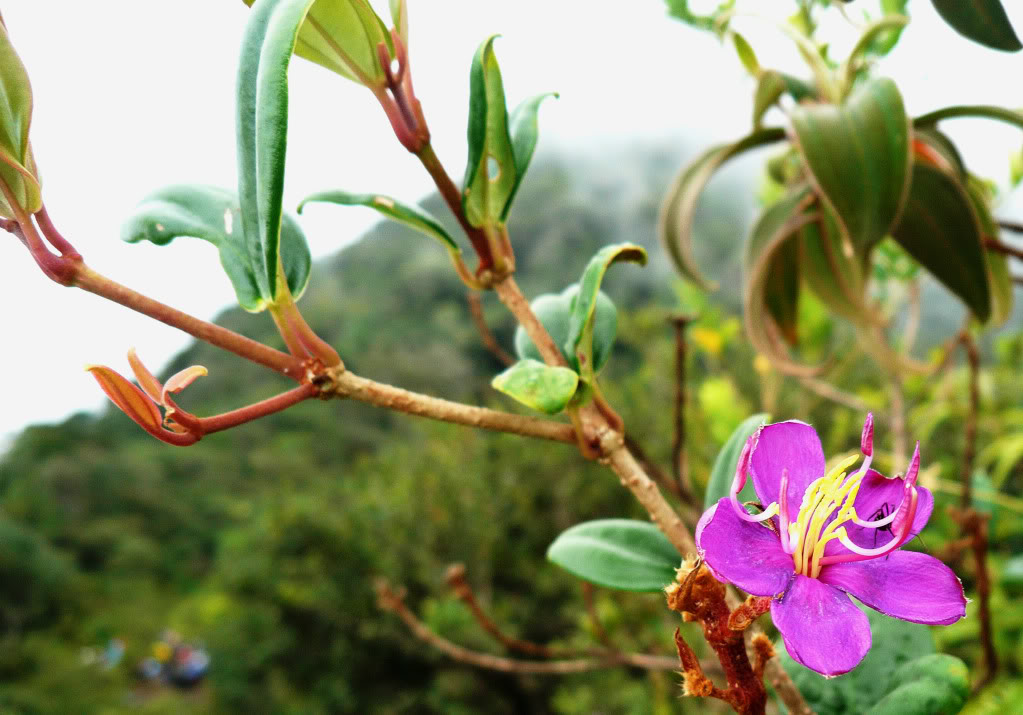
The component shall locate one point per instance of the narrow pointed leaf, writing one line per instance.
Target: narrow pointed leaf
(781, 290)
(999, 276)
(581, 322)
(858, 158)
(770, 87)
(17, 167)
(617, 553)
(399, 18)
(412, 216)
(129, 399)
(777, 226)
(539, 386)
(554, 311)
(723, 471)
(675, 223)
(213, 214)
(986, 111)
(262, 131)
(150, 385)
(182, 379)
(524, 130)
(490, 172)
(982, 21)
(940, 229)
(746, 54)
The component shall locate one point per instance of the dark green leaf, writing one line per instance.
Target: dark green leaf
(723, 471)
(777, 226)
(411, 216)
(895, 643)
(262, 131)
(858, 157)
(1002, 292)
(213, 214)
(675, 223)
(940, 229)
(934, 139)
(930, 685)
(982, 21)
(554, 311)
(541, 387)
(580, 341)
(490, 172)
(830, 267)
(781, 290)
(17, 167)
(525, 131)
(617, 553)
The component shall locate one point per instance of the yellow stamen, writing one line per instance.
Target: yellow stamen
(825, 495)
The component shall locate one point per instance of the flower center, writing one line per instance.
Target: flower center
(832, 494)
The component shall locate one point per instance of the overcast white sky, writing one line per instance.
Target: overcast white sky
(131, 95)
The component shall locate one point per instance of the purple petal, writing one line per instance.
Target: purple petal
(905, 584)
(821, 627)
(791, 445)
(879, 496)
(748, 555)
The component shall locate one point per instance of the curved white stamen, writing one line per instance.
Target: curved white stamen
(885, 521)
(861, 554)
(741, 512)
(783, 512)
(740, 481)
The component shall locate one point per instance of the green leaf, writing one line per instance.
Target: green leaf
(895, 643)
(781, 290)
(411, 216)
(490, 172)
(541, 387)
(771, 86)
(342, 35)
(723, 471)
(675, 223)
(580, 341)
(716, 21)
(262, 131)
(832, 272)
(878, 37)
(858, 158)
(399, 19)
(940, 229)
(982, 21)
(746, 54)
(777, 226)
(617, 553)
(17, 166)
(943, 146)
(1000, 277)
(554, 311)
(930, 685)
(525, 131)
(213, 214)
(986, 111)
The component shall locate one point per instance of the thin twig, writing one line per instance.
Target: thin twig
(346, 384)
(679, 459)
(970, 431)
(508, 291)
(897, 417)
(480, 321)
(390, 599)
(591, 610)
(995, 245)
(1013, 226)
(832, 393)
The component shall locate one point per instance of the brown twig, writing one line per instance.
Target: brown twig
(1013, 226)
(591, 610)
(995, 245)
(393, 600)
(832, 393)
(343, 383)
(480, 321)
(508, 291)
(679, 459)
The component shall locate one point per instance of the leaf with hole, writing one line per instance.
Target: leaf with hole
(940, 230)
(623, 554)
(213, 214)
(723, 471)
(17, 166)
(554, 311)
(858, 158)
(490, 171)
(542, 387)
(581, 323)
(675, 222)
(982, 21)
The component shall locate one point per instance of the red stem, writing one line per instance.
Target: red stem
(269, 406)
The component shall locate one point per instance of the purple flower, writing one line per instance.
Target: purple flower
(823, 535)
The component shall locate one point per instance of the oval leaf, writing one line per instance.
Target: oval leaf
(213, 214)
(940, 229)
(490, 173)
(675, 222)
(539, 386)
(617, 553)
(982, 21)
(858, 158)
(723, 471)
(929, 685)
(581, 322)
(525, 131)
(17, 167)
(262, 131)
(775, 228)
(554, 311)
(834, 274)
